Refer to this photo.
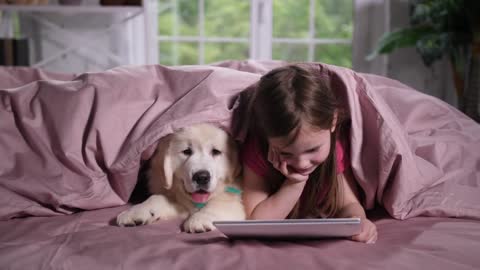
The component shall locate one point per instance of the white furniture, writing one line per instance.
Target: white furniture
(130, 31)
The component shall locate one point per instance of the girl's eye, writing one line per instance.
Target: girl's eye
(187, 152)
(313, 150)
(216, 152)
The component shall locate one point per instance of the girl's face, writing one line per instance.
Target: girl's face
(308, 150)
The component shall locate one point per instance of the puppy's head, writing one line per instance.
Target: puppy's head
(198, 160)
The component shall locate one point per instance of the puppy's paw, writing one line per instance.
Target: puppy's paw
(137, 215)
(199, 222)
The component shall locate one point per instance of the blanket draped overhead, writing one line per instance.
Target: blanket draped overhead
(71, 143)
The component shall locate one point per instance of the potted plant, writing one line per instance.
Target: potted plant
(444, 28)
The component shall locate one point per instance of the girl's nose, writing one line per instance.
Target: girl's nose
(300, 163)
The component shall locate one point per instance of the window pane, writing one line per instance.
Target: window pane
(215, 52)
(338, 54)
(166, 55)
(178, 53)
(290, 18)
(227, 18)
(165, 18)
(188, 53)
(290, 52)
(333, 19)
(187, 17)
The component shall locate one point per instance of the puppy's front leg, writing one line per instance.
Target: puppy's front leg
(222, 208)
(227, 209)
(154, 208)
(201, 221)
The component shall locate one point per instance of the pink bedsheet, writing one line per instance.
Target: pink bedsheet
(74, 144)
(87, 240)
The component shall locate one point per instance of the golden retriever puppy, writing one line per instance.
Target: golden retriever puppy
(193, 175)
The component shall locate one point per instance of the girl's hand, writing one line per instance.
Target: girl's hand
(274, 158)
(368, 233)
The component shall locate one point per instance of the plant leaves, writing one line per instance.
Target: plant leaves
(432, 47)
(401, 38)
(435, 12)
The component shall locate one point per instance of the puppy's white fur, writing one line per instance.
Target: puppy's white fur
(179, 156)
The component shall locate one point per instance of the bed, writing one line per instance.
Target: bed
(73, 146)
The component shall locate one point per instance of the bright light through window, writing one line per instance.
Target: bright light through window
(206, 31)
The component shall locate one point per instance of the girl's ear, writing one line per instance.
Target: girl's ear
(334, 122)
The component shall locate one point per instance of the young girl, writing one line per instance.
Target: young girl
(295, 161)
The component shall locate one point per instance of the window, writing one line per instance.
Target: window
(206, 31)
(313, 30)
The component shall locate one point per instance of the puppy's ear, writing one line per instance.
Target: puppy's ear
(161, 171)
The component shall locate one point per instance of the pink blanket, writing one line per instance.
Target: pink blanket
(72, 144)
(87, 240)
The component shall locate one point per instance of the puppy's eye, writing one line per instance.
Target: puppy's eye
(216, 152)
(187, 152)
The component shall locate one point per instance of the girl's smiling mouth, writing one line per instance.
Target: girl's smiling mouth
(303, 172)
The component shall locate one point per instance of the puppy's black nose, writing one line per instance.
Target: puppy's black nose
(201, 177)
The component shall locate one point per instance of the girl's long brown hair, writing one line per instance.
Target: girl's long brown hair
(285, 99)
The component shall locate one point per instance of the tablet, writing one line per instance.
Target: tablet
(290, 228)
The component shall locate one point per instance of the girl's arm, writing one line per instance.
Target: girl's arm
(259, 204)
(349, 206)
